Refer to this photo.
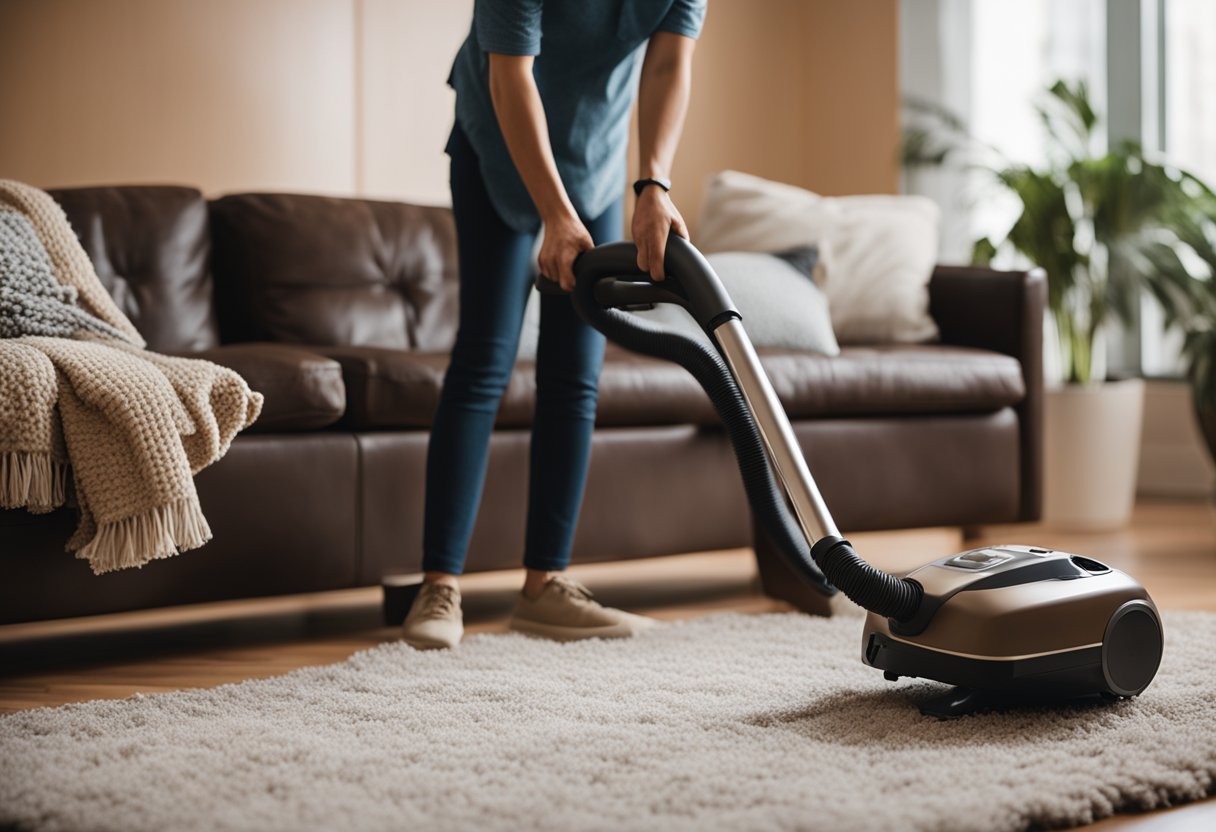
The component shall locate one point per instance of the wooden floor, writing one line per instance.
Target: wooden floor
(1170, 547)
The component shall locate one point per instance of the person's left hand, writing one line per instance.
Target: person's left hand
(654, 217)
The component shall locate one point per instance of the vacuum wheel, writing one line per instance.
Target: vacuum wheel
(1131, 648)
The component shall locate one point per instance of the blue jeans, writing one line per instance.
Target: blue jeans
(496, 274)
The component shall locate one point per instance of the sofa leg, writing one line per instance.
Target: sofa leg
(779, 580)
(399, 592)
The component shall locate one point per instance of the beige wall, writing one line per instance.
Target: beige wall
(349, 96)
(334, 96)
(802, 91)
(1174, 460)
(224, 93)
(407, 50)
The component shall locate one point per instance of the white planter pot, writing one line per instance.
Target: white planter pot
(1091, 450)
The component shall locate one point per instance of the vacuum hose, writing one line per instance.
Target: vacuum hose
(693, 285)
(867, 586)
(707, 367)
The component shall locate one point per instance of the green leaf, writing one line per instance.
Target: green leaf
(982, 252)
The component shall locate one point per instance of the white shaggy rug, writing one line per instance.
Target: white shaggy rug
(728, 722)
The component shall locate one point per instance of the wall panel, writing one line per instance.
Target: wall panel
(802, 91)
(407, 50)
(350, 96)
(224, 94)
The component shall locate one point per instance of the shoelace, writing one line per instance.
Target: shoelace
(437, 601)
(573, 588)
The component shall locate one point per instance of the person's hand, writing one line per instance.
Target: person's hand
(565, 238)
(654, 217)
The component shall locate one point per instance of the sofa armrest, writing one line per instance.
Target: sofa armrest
(302, 390)
(1001, 311)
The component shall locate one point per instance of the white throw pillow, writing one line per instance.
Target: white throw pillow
(779, 301)
(877, 252)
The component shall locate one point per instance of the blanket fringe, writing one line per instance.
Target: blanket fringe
(159, 533)
(31, 480)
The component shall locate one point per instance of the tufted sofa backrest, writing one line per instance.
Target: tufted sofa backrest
(319, 270)
(149, 245)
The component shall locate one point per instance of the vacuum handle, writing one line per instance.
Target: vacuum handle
(548, 287)
(617, 281)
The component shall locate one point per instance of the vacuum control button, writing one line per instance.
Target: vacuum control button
(979, 559)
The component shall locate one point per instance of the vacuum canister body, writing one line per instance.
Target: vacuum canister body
(1023, 619)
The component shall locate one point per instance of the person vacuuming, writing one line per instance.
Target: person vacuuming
(544, 92)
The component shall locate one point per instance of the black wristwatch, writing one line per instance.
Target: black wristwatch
(641, 184)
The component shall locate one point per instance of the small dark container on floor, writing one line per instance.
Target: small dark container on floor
(399, 592)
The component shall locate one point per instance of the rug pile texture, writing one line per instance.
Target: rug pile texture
(81, 397)
(728, 722)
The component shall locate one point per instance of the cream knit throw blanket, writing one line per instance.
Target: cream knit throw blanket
(130, 426)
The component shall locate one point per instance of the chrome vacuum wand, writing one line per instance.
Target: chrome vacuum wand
(809, 507)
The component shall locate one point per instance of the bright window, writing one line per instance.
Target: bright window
(1187, 117)
(1190, 86)
(1017, 51)
(988, 61)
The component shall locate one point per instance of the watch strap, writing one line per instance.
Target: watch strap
(641, 184)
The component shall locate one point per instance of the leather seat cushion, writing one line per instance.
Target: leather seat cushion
(303, 390)
(388, 388)
(895, 379)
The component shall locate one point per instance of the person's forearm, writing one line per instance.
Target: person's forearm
(521, 117)
(662, 102)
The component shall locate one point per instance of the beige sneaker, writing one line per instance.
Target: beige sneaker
(434, 620)
(565, 611)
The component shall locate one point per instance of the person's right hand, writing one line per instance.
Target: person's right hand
(565, 238)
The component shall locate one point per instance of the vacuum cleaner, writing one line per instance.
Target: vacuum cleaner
(1005, 625)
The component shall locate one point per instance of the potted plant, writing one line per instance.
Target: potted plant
(1183, 279)
(1104, 226)
(1200, 351)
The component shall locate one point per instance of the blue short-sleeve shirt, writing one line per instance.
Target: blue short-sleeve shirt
(588, 57)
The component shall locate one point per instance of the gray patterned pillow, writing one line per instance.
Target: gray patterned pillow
(776, 295)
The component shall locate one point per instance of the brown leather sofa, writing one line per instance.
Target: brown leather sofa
(341, 312)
